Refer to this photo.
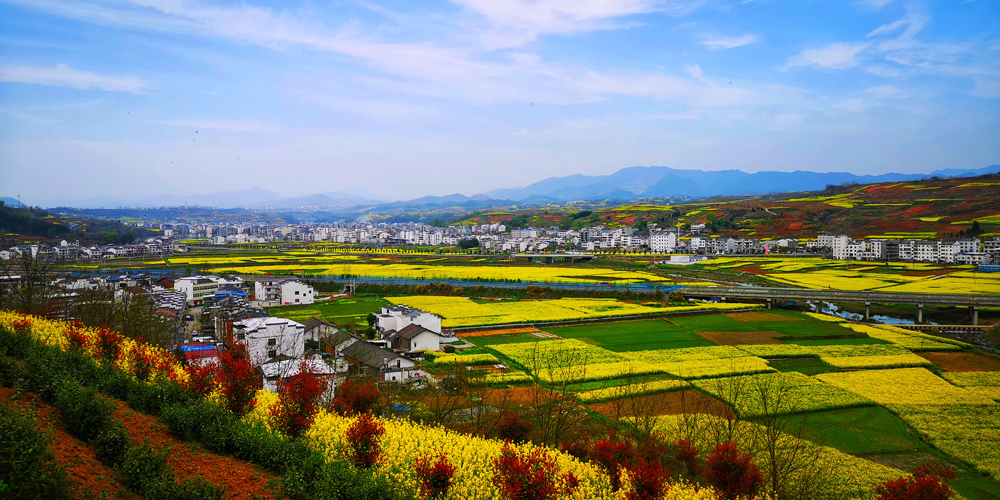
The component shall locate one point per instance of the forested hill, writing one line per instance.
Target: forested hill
(34, 222)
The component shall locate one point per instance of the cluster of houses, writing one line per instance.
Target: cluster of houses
(969, 250)
(280, 347)
(67, 250)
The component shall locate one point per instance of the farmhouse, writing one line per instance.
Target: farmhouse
(315, 329)
(286, 291)
(414, 338)
(281, 367)
(398, 317)
(372, 360)
(267, 338)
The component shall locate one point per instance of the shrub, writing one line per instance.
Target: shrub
(314, 478)
(928, 482)
(688, 455)
(197, 488)
(238, 379)
(732, 471)
(363, 439)
(355, 398)
(613, 455)
(84, 413)
(511, 427)
(27, 465)
(533, 475)
(450, 349)
(108, 343)
(201, 379)
(579, 448)
(297, 401)
(271, 450)
(435, 477)
(648, 480)
(111, 445)
(142, 468)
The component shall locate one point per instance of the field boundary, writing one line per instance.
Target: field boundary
(586, 321)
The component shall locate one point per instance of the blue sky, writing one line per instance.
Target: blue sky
(404, 99)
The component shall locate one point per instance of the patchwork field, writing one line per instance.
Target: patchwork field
(352, 310)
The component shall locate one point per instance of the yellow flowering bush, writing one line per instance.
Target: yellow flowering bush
(903, 386)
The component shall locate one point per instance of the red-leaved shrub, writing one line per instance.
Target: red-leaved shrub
(238, 379)
(688, 455)
(435, 477)
(362, 439)
(531, 476)
(732, 471)
(355, 398)
(648, 480)
(201, 378)
(579, 448)
(78, 341)
(511, 427)
(297, 397)
(928, 482)
(614, 455)
(22, 323)
(108, 343)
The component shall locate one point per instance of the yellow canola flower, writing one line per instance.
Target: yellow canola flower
(465, 359)
(609, 393)
(904, 386)
(825, 317)
(801, 393)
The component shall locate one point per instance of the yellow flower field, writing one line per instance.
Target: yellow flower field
(904, 386)
(462, 311)
(609, 393)
(700, 362)
(799, 393)
(914, 341)
(510, 377)
(825, 317)
(985, 384)
(571, 359)
(969, 433)
(465, 359)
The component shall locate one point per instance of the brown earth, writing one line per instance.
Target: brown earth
(87, 475)
(240, 479)
(963, 361)
(670, 403)
(742, 338)
(747, 317)
(505, 331)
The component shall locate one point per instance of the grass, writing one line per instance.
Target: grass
(351, 310)
(864, 430)
(512, 338)
(805, 326)
(633, 335)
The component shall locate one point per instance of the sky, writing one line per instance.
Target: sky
(128, 98)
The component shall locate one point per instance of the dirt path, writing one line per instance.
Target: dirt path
(87, 475)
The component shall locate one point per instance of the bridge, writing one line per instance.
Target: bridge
(867, 298)
(551, 257)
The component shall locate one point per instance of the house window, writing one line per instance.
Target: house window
(241, 336)
(272, 353)
(296, 292)
(272, 342)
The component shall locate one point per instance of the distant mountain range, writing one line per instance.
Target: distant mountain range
(626, 184)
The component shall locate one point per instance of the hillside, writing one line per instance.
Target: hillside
(913, 209)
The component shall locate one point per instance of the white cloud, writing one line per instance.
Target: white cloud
(872, 4)
(786, 122)
(833, 56)
(62, 75)
(717, 43)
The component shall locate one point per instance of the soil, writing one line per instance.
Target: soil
(963, 361)
(670, 403)
(747, 317)
(743, 338)
(240, 479)
(87, 475)
(487, 333)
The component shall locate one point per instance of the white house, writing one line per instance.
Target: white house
(415, 338)
(276, 369)
(285, 291)
(662, 241)
(398, 317)
(196, 288)
(267, 338)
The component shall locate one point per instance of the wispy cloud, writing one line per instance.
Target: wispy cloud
(833, 56)
(872, 4)
(240, 126)
(718, 43)
(62, 75)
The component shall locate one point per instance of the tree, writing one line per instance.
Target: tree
(26, 285)
(928, 482)
(435, 477)
(363, 441)
(975, 230)
(133, 315)
(552, 409)
(531, 475)
(733, 471)
(297, 395)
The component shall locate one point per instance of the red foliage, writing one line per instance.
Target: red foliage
(512, 427)
(147, 359)
(201, 379)
(297, 400)
(579, 448)
(928, 482)
(108, 343)
(531, 476)
(238, 379)
(435, 477)
(688, 454)
(362, 438)
(78, 341)
(614, 456)
(648, 480)
(22, 323)
(732, 471)
(354, 398)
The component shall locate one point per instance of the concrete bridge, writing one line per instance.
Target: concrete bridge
(551, 257)
(769, 295)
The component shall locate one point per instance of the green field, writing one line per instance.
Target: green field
(864, 430)
(353, 310)
(797, 325)
(633, 335)
(808, 366)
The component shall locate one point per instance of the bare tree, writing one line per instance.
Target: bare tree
(131, 314)
(26, 284)
(553, 410)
